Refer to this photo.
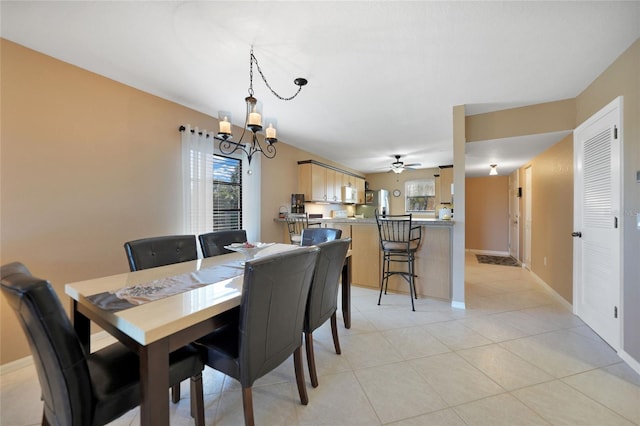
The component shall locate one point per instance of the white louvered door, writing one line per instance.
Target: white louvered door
(597, 221)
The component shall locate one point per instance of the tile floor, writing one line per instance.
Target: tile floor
(515, 356)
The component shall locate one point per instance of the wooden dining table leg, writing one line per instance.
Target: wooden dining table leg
(154, 384)
(82, 326)
(346, 292)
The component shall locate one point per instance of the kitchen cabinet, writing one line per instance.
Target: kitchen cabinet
(332, 190)
(360, 189)
(445, 181)
(436, 180)
(322, 183)
(312, 182)
(365, 255)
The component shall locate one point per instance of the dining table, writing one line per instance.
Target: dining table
(158, 310)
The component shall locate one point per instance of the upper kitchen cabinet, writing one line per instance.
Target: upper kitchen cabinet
(322, 183)
(360, 188)
(445, 181)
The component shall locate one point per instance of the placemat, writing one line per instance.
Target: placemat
(135, 295)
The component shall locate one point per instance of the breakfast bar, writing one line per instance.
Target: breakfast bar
(433, 259)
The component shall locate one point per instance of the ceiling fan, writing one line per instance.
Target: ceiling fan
(398, 166)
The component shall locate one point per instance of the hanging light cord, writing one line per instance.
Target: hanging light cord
(252, 60)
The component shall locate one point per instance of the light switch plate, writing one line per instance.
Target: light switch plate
(638, 220)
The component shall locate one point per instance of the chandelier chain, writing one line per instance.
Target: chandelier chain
(254, 59)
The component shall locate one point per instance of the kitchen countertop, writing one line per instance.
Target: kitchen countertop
(372, 221)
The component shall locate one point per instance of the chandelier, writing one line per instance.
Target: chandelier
(252, 122)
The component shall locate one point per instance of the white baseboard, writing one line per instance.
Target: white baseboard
(628, 359)
(631, 362)
(98, 340)
(16, 365)
(552, 292)
(458, 305)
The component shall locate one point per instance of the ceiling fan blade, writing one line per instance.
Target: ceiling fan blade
(413, 165)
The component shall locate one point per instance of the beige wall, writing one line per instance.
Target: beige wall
(88, 163)
(529, 120)
(487, 216)
(552, 216)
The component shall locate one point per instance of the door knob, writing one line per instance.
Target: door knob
(576, 234)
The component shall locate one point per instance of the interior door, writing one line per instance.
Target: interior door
(527, 218)
(597, 209)
(514, 215)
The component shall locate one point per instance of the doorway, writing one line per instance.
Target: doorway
(527, 218)
(514, 215)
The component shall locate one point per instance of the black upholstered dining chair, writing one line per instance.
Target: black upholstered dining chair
(80, 389)
(323, 297)
(313, 236)
(212, 243)
(399, 241)
(151, 252)
(269, 327)
(160, 251)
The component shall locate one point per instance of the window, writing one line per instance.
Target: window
(211, 186)
(227, 193)
(420, 195)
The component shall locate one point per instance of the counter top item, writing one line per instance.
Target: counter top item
(372, 221)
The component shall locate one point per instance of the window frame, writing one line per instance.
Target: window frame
(240, 190)
(428, 192)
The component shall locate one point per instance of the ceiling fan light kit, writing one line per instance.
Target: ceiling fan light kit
(399, 166)
(493, 171)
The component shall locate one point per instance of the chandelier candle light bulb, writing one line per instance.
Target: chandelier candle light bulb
(225, 126)
(270, 133)
(255, 119)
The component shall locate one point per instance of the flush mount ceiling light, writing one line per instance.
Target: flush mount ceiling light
(494, 170)
(252, 121)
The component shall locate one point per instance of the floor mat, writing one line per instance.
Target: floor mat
(497, 260)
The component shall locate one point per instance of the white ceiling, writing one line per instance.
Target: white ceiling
(383, 75)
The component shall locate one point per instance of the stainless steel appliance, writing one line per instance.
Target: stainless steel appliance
(374, 199)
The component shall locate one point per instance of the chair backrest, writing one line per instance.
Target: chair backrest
(57, 352)
(296, 223)
(397, 232)
(212, 244)
(323, 296)
(159, 251)
(314, 236)
(272, 310)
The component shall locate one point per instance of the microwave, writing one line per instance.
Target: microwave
(349, 194)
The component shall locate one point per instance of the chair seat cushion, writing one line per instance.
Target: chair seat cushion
(393, 246)
(115, 375)
(220, 349)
